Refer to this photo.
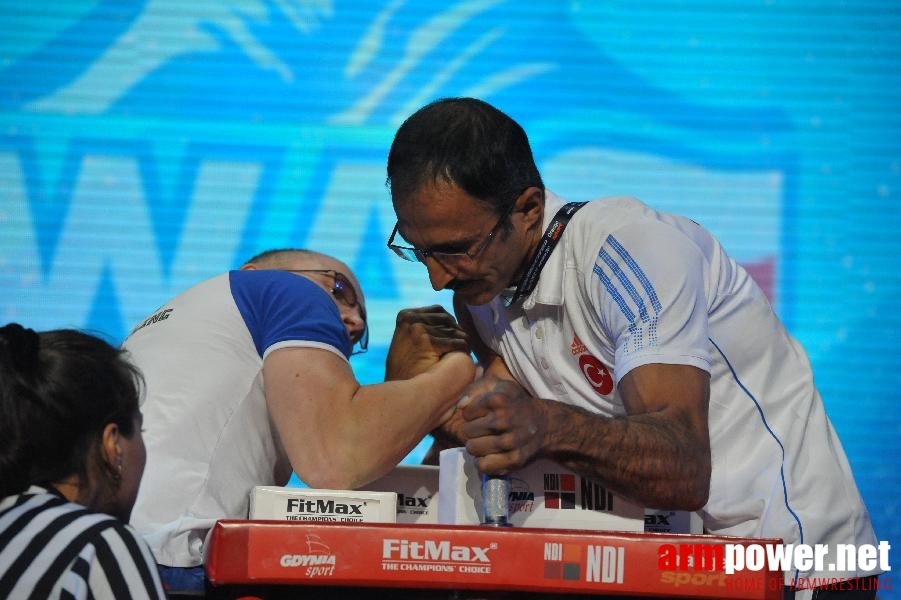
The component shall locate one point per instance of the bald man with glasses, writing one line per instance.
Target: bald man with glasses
(247, 377)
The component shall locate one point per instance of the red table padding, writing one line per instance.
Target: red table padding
(480, 558)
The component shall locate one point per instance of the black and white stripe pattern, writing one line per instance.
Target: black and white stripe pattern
(52, 548)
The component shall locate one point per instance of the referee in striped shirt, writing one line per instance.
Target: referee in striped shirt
(71, 459)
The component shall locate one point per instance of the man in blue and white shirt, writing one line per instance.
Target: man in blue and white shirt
(248, 377)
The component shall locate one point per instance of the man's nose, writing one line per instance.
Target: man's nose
(353, 320)
(439, 276)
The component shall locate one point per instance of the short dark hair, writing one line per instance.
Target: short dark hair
(465, 142)
(58, 390)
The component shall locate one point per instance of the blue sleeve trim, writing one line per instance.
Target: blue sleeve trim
(278, 306)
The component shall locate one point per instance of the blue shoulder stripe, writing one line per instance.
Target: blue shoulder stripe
(645, 282)
(622, 283)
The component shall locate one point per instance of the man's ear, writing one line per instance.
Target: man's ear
(109, 445)
(531, 205)
(248, 267)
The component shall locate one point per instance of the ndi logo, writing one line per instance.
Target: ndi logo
(562, 561)
(559, 490)
(603, 564)
(595, 496)
(560, 493)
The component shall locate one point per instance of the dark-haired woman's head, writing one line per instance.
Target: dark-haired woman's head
(69, 418)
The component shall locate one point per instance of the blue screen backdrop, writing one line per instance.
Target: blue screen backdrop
(146, 145)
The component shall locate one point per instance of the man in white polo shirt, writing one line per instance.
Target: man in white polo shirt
(619, 341)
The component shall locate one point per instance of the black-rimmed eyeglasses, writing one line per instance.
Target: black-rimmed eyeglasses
(343, 291)
(414, 254)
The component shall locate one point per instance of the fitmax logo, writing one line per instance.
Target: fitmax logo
(413, 501)
(320, 506)
(657, 520)
(432, 550)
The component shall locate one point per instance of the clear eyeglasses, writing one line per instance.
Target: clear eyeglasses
(414, 254)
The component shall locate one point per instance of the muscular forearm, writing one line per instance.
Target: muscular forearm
(650, 458)
(382, 423)
(658, 455)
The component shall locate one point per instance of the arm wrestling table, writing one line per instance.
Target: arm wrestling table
(275, 560)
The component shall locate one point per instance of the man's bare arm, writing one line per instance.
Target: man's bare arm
(658, 454)
(339, 434)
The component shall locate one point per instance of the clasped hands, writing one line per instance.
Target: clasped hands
(500, 424)
(497, 420)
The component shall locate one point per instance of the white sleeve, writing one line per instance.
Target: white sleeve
(648, 281)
